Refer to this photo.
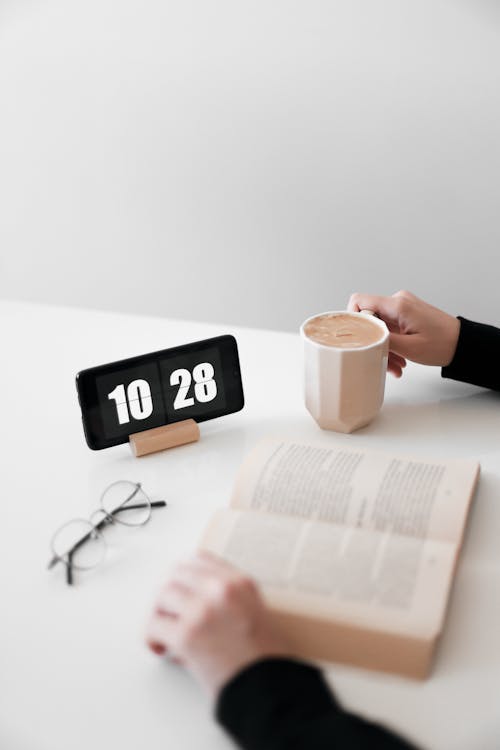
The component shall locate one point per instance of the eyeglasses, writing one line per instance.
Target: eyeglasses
(79, 544)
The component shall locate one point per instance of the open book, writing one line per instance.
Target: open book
(355, 550)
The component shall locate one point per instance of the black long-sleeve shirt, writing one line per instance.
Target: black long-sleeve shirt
(283, 704)
(477, 356)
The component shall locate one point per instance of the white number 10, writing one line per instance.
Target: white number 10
(138, 400)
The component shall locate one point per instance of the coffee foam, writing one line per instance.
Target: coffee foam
(344, 331)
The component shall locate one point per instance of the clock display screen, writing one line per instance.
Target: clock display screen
(196, 381)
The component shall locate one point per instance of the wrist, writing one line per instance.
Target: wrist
(214, 676)
(217, 672)
(451, 338)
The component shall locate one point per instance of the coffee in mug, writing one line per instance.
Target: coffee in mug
(343, 330)
(345, 364)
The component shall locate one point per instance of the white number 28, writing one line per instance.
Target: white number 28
(205, 387)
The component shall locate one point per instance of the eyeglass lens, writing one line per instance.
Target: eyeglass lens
(79, 544)
(127, 503)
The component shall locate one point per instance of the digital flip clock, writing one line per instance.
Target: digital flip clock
(197, 381)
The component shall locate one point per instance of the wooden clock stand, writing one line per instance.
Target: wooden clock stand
(166, 436)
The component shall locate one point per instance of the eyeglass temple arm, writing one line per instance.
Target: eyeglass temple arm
(156, 504)
(69, 569)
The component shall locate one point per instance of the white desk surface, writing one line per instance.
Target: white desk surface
(74, 672)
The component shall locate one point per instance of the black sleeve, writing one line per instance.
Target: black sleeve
(281, 704)
(477, 357)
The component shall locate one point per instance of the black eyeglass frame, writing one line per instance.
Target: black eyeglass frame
(109, 518)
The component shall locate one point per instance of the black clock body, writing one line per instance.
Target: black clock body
(197, 381)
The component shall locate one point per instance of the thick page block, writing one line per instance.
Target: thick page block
(325, 640)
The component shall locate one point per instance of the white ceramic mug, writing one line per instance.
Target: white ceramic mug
(344, 387)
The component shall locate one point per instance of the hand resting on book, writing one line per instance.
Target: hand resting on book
(210, 618)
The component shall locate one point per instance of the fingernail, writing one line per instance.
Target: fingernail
(158, 648)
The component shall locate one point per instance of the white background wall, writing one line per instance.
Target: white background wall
(250, 162)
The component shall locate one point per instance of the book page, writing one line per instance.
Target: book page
(394, 583)
(417, 497)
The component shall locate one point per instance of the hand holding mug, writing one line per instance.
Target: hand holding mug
(418, 331)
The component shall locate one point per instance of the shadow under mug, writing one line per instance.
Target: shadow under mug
(344, 387)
